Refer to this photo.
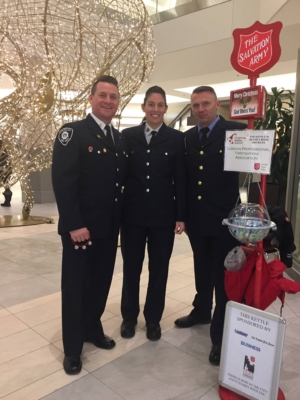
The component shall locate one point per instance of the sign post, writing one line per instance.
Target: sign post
(256, 50)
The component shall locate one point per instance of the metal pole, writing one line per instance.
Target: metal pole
(258, 270)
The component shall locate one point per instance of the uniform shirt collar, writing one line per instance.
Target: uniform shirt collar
(210, 126)
(148, 128)
(99, 122)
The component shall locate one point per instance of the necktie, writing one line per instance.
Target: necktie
(108, 135)
(153, 133)
(204, 132)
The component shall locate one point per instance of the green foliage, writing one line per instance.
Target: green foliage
(244, 102)
(279, 116)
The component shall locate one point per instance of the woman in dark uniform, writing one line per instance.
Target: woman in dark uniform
(154, 209)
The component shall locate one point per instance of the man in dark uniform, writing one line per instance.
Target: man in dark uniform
(87, 173)
(212, 194)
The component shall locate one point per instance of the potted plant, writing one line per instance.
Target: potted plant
(279, 116)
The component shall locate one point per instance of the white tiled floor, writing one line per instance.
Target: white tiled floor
(176, 367)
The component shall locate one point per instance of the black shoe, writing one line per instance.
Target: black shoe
(189, 320)
(153, 332)
(215, 355)
(104, 342)
(7, 196)
(72, 365)
(128, 329)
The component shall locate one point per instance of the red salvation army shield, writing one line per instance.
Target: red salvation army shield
(256, 49)
(258, 54)
(256, 166)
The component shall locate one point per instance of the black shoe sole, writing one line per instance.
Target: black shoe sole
(127, 336)
(214, 363)
(153, 336)
(104, 347)
(72, 372)
(128, 333)
(153, 339)
(215, 357)
(206, 322)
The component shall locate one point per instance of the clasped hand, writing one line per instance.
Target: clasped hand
(80, 235)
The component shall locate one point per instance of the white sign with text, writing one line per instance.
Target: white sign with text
(249, 151)
(251, 351)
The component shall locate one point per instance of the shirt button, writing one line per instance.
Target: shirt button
(166, 154)
(147, 163)
(199, 197)
(199, 183)
(117, 154)
(116, 199)
(99, 151)
(117, 184)
(200, 167)
(221, 151)
(201, 152)
(148, 151)
(147, 177)
(147, 190)
(117, 169)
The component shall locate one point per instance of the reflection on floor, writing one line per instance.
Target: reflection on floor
(176, 367)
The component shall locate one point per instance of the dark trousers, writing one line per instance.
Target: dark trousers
(160, 246)
(86, 280)
(209, 255)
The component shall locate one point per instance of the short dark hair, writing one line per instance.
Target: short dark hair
(155, 89)
(104, 78)
(201, 89)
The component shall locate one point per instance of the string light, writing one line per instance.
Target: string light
(53, 51)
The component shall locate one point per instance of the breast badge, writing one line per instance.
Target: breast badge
(90, 149)
(65, 135)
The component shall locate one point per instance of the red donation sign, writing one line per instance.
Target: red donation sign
(248, 103)
(256, 49)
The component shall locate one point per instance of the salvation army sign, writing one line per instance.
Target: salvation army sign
(256, 49)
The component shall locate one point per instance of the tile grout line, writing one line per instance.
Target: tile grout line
(30, 352)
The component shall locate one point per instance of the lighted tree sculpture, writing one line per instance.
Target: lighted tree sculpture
(53, 51)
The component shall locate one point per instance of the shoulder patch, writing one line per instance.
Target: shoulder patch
(65, 135)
